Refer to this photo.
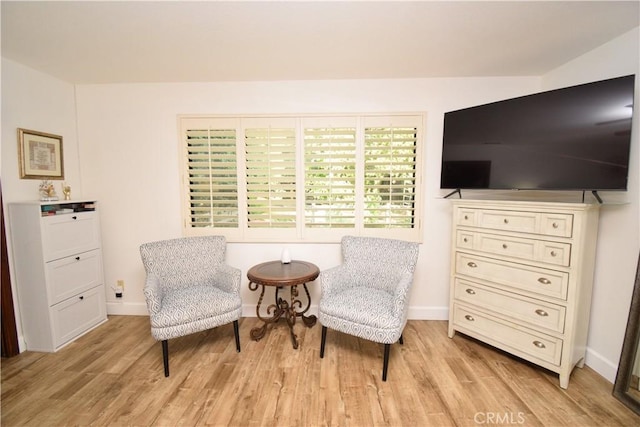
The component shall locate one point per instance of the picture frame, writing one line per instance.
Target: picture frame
(41, 155)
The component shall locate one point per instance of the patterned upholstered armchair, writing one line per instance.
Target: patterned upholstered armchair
(189, 288)
(368, 294)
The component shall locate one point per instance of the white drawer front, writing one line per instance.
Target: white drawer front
(68, 276)
(507, 246)
(465, 239)
(560, 225)
(524, 222)
(508, 336)
(69, 234)
(519, 276)
(556, 253)
(468, 217)
(76, 315)
(548, 224)
(536, 313)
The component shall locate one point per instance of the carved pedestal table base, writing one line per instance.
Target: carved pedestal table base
(279, 275)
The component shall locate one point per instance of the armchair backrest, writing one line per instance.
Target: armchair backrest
(184, 261)
(381, 261)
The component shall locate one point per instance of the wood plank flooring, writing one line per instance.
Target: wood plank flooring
(113, 376)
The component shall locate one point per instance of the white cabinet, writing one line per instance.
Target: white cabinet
(57, 254)
(521, 278)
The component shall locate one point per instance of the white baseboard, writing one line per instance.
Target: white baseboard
(601, 365)
(22, 344)
(127, 308)
(428, 313)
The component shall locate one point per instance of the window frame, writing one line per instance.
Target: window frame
(300, 233)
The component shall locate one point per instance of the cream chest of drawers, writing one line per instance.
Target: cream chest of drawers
(57, 254)
(521, 278)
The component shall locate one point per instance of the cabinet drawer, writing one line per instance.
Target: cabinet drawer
(68, 276)
(524, 222)
(76, 315)
(509, 336)
(560, 225)
(519, 276)
(536, 313)
(467, 216)
(69, 234)
(556, 253)
(549, 224)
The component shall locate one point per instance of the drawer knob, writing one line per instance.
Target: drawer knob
(544, 281)
(81, 297)
(77, 258)
(466, 217)
(504, 246)
(554, 225)
(465, 240)
(472, 264)
(506, 221)
(469, 318)
(553, 253)
(470, 291)
(539, 344)
(541, 312)
(74, 217)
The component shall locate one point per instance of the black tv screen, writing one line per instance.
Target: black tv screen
(575, 138)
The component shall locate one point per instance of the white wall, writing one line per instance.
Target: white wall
(35, 101)
(619, 233)
(130, 162)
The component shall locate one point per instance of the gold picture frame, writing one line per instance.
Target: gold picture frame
(40, 155)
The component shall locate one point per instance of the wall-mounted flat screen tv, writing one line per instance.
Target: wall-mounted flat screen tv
(575, 138)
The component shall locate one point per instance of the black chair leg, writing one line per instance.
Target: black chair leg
(322, 341)
(237, 334)
(401, 340)
(165, 357)
(385, 365)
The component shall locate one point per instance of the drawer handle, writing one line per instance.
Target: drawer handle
(506, 221)
(469, 318)
(541, 312)
(539, 344)
(472, 264)
(544, 281)
(554, 225)
(470, 291)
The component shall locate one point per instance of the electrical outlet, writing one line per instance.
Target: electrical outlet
(119, 288)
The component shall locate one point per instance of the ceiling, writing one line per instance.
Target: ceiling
(182, 41)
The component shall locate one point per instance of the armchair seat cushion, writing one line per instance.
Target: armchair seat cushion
(193, 309)
(363, 312)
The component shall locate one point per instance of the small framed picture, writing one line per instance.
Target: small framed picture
(40, 155)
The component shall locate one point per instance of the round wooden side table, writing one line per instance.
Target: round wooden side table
(278, 275)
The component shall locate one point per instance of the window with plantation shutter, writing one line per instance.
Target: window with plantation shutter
(211, 176)
(389, 176)
(271, 177)
(305, 178)
(330, 177)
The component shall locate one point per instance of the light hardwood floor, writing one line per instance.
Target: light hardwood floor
(113, 376)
